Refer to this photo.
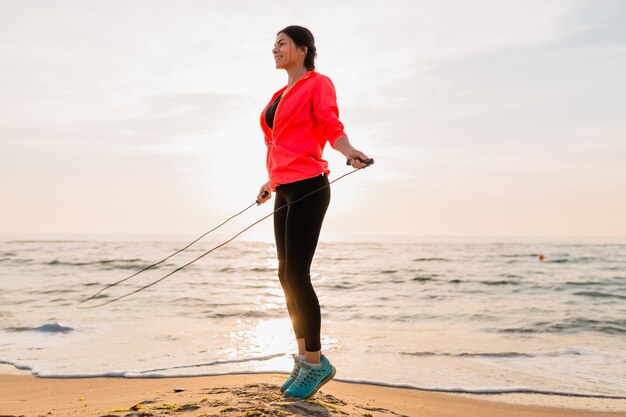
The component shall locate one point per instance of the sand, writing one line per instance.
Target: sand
(258, 395)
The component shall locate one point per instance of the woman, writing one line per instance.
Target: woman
(297, 122)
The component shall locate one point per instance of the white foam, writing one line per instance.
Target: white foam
(135, 374)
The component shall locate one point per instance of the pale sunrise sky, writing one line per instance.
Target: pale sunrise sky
(485, 118)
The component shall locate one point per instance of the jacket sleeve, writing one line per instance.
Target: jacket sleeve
(326, 110)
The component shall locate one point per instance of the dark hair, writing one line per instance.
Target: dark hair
(303, 37)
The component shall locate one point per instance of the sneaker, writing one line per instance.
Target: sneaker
(294, 374)
(310, 379)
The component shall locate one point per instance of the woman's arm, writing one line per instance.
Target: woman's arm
(353, 156)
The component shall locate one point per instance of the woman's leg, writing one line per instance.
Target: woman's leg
(303, 224)
(280, 220)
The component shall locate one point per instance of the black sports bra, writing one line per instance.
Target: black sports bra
(271, 111)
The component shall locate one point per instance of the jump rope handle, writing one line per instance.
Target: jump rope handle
(368, 162)
(265, 193)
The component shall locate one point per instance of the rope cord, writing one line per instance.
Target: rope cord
(80, 306)
(163, 260)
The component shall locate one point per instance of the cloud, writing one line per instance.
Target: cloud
(175, 119)
(461, 104)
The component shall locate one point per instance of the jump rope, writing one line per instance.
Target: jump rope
(368, 162)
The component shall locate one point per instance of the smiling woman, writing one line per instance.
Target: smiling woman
(297, 123)
(292, 43)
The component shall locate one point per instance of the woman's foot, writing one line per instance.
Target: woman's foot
(294, 373)
(310, 379)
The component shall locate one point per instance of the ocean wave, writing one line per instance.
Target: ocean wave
(258, 314)
(471, 355)
(20, 261)
(343, 286)
(572, 326)
(424, 278)
(586, 283)
(262, 269)
(46, 328)
(613, 268)
(509, 275)
(391, 317)
(54, 291)
(431, 260)
(193, 300)
(598, 294)
(500, 282)
(578, 260)
(485, 390)
(16, 365)
(498, 355)
(105, 263)
(214, 363)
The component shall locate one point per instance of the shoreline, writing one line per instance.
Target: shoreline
(238, 394)
(7, 368)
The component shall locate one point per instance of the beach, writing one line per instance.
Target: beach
(419, 328)
(258, 395)
(478, 268)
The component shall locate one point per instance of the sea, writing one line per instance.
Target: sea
(453, 314)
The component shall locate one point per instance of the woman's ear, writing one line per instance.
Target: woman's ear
(304, 50)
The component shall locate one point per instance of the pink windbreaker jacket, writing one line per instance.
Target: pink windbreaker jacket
(306, 118)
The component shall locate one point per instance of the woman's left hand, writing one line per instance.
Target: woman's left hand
(356, 158)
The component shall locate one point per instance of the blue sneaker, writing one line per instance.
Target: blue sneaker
(310, 379)
(294, 373)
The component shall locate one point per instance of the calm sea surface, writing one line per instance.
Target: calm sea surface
(477, 315)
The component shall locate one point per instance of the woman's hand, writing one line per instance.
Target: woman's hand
(354, 157)
(264, 194)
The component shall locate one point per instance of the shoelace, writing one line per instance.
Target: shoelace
(305, 376)
(296, 368)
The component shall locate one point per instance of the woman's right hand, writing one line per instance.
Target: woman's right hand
(264, 194)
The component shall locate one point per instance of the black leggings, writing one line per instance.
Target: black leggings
(297, 229)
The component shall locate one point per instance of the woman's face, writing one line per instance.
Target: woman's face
(286, 53)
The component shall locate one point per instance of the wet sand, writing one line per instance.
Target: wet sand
(258, 395)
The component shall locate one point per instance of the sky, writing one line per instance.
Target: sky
(485, 118)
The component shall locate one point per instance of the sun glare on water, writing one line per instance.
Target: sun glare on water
(265, 337)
